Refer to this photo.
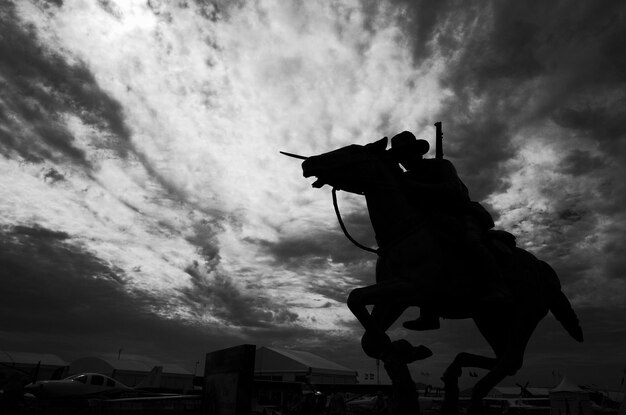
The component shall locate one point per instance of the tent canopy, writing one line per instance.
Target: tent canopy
(567, 385)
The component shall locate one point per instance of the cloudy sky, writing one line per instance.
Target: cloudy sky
(144, 204)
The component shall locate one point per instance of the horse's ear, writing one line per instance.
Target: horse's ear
(379, 145)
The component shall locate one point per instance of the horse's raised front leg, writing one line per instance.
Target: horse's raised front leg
(396, 293)
(451, 378)
(390, 298)
(382, 317)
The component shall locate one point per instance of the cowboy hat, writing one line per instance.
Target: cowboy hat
(406, 142)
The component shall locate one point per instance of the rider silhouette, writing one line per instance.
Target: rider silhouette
(434, 187)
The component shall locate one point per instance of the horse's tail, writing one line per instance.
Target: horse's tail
(562, 309)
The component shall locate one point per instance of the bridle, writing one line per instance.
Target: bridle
(380, 251)
(345, 230)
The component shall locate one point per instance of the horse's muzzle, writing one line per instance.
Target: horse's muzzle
(308, 168)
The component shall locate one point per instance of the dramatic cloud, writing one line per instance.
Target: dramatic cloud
(141, 188)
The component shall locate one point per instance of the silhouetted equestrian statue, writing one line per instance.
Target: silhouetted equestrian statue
(438, 251)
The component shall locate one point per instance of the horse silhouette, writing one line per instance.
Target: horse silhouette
(421, 266)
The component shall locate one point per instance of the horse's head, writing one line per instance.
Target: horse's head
(348, 168)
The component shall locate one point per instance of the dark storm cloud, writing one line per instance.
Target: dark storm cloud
(58, 298)
(520, 63)
(39, 87)
(52, 286)
(481, 147)
(204, 238)
(579, 162)
(316, 247)
(61, 299)
(217, 295)
(602, 121)
(613, 255)
(328, 289)
(424, 20)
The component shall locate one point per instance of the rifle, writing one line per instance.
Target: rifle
(438, 141)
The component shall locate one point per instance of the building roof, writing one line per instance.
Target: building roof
(175, 370)
(272, 359)
(31, 358)
(97, 364)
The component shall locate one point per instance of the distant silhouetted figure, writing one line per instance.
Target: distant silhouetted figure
(434, 188)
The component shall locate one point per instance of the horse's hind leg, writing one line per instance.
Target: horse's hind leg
(509, 361)
(507, 365)
(451, 378)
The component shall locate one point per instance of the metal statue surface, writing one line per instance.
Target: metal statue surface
(435, 253)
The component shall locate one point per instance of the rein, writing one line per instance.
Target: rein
(345, 231)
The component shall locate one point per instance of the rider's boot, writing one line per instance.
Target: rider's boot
(425, 321)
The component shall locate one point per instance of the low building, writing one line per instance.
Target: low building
(283, 365)
(30, 366)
